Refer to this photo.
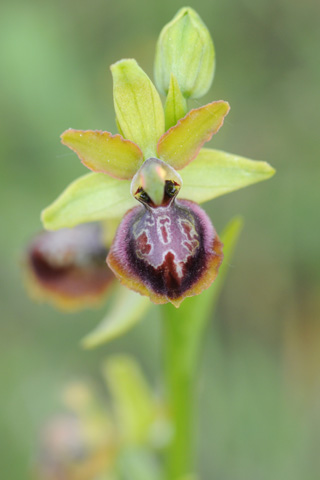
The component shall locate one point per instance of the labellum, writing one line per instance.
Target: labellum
(165, 248)
(67, 267)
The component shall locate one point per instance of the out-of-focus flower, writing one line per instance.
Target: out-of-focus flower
(165, 248)
(92, 441)
(67, 267)
(80, 443)
(67, 454)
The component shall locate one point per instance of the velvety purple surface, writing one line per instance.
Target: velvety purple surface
(165, 248)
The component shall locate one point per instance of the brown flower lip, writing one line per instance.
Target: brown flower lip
(168, 253)
(67, 267)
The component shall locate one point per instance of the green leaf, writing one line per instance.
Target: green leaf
(197, 308)
(176, 105)
(132, 398)
(214, 173)
(127, 309)
(137, 105)
(182, 143)
(229, 237)
(104, 152)
(93, 197)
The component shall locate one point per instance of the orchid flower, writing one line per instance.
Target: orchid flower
(155, 171)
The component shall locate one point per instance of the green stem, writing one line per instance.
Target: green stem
(182, 338)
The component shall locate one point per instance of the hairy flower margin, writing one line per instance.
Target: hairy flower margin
(166, 247)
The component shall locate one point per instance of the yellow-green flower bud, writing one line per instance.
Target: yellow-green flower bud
(185, 49)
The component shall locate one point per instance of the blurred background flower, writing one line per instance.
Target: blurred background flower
(99, 437)
(260, 382)
(68, 267)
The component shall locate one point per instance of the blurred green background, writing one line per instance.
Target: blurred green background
(260, 381)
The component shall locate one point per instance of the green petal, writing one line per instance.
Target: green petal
(95, 196)
(128, 309)
(215, 173)
(176, 105)
(104, 152)
(182, 143)
(138, 106)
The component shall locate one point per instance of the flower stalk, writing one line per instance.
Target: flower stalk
(182, 338)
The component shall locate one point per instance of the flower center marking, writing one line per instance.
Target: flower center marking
(163, 229)
(191, 244)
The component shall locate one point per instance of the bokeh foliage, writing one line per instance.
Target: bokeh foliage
(260, 383)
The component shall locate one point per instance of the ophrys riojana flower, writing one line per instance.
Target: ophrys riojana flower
(165, 247)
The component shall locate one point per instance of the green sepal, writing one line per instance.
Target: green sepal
(104, 152)
(214, 173)
(127, 309)
(182, 143)
(176, 105)
(90, 198)
(137, 105)
(97, 196)
(133, 401)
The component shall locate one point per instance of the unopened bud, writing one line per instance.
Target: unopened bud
(185, 49)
